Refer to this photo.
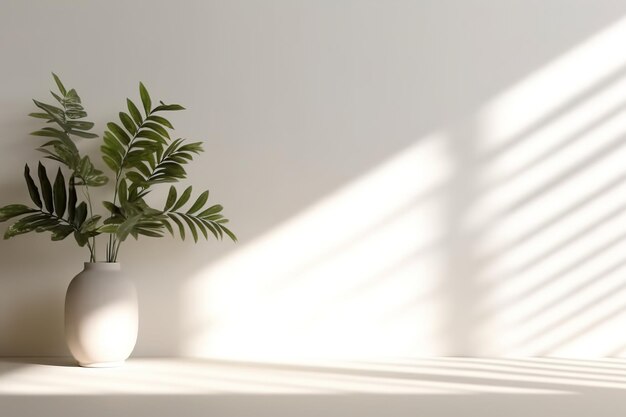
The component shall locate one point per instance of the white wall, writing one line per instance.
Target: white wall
(406, 177)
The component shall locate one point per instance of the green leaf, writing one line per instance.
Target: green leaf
(148, 232)
(192, 228)
(168, 107)
(35, 222)
(61, 231)
(160, 120)
(110, 162)
(56, 96)
(80, 125)
(112, 208)
(144, 169)
(201, 226)
(157, 128)
(135, 178)
(71, 201)
(46, 188)
(86, 135)
(199, 203)
(108, 228)
(230, 234)
(96, 179)
(59, 194)
(113, 143)
(32, 188)
(81, 214)
(126, 228)
(90, 224)
(40, 116)
(87, 174)
(45, 225)
(145, 98)
(49, 132)
(171, 198)
(183, 199)
(213, 229)
(181, 228)
(149, 134)
(168, 226)
(195, 147)
(119, 132)
(72, 100)
(211, 210)
(81, 239)
(134, 112)
(128, 123)
(59, 84)
(75, 114)
(57, 114)
(18, 229)
(122, 192)
(214, 218)
(14, 210)
(111, 151)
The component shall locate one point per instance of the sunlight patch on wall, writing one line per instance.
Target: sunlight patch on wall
(550, 219)
(567, 79)
(521, 204)
(353, 275)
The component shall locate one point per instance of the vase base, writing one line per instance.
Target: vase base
(101, 364)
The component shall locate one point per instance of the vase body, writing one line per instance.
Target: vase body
(101, 315)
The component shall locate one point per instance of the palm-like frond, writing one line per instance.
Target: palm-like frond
(140, 151)
(137, 144)
(61, 147)
(56, 210)
(168, 167)
(197, 217)
(136, 218)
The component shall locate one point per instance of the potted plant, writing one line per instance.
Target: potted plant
(101, 314)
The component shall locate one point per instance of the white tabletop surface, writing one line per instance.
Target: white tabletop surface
(391, 387)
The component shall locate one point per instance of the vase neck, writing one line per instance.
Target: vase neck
(103, 266)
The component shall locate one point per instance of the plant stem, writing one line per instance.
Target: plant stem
(92, 246)
(117, 249)
(112, 239)
(93, 238)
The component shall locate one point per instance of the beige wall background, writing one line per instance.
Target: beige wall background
(405, 177)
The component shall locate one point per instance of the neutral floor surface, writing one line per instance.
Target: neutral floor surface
(399, 387)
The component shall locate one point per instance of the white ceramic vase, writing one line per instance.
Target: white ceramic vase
(101, 315)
